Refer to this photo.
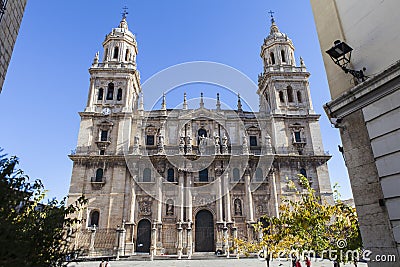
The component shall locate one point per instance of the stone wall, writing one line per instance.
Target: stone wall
(9, 27)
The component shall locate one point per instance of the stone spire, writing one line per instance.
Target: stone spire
(239, 103)
(185, 106)
(163, 103)
(218, 105)
(201, 101)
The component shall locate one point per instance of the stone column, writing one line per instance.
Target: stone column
(180, 195)
(228, 210)
(275, 195)
(189, 240)
(121, 233)
(189, 199)
(180, 239)
(226, 241)
(160, 198)
(250, 212)
(234, 234)
(153, 248)
(92, 237)
(220, 216)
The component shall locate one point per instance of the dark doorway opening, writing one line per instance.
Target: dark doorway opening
(204, 232)
(143, 236)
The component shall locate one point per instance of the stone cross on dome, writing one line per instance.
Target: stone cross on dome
(272, 16)
(125, 12)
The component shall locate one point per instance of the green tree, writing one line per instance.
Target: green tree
(308, 224)
(32, 233)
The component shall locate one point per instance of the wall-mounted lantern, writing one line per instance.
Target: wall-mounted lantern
(340, 53)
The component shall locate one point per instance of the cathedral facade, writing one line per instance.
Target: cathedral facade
(180, 181)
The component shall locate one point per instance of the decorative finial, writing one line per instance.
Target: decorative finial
(125, 12)
(163, 104)
(272, 16)
(184, 101)
(239, 104)
(201, 101)
(302, 62)
(218, 102)
(96, 58)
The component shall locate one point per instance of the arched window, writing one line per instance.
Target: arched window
(203, 175)
(100, 95)
(119, 94)
(94, 218)
(259, 174)
(171, 175)
(299, 98)
(147, 175)
(272, 58)
(281, 97)
(236, 174)
(303, 172)
(290, 94)
(105, 55)
(283, 56)
(169, 207)
(127, 55)
(238, 207)
(99, 175)
(110, 91)
(116, 51)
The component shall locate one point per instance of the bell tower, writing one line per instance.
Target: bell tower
(115, 82)
(283, 86)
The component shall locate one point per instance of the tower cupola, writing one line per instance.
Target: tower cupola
(120, 45)
(277, 48)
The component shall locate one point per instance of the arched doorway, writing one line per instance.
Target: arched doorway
(204, 231)
(143, 239)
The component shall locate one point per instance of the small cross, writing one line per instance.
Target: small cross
(272, 16)
(125, 12)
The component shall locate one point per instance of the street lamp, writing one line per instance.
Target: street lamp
(340, 54)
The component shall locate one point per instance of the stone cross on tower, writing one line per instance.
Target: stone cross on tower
(125, 12)
(272, 16)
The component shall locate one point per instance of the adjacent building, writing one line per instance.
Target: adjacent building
(366, 111)
(11, 13)
(179, 181)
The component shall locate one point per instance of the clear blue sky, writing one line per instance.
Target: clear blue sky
(47, 81)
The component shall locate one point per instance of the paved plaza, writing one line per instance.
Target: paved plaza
(205, 263)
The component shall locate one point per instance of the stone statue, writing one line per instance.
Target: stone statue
(161, 144)
(238, 207)
(245, 145)
(202, 144)
(182, 145)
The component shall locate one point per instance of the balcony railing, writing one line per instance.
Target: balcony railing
(95, 180)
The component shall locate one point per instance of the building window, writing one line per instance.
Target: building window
(259, 174)
(303, 172)
(100, 95)
(102, 152)
(253, 140)
(150, 140)
(283, 56)
(272, 58)
(171, 175)
(116, 51)
(236, 175)
(297, 136)
(203, 175)
(127, 54)
(281, 97)
(104, 136)
(110, 91)
(147, 175)
(119, 94)
(290, 94)
(299, 98)
(99, 175)
(94, 218)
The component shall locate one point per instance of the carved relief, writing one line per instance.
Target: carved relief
(145, 206)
